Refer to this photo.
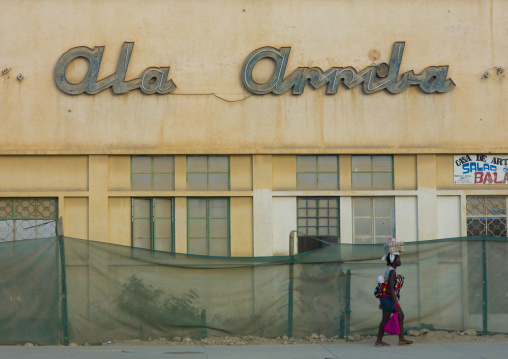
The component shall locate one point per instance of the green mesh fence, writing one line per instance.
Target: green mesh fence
(109, 292)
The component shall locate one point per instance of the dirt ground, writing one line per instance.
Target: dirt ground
(422, 337)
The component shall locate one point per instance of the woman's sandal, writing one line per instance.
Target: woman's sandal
(406, 342)
(383, 344)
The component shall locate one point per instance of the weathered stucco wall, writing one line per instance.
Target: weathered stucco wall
(206, 42)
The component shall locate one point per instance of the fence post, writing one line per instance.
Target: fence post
(204, 332)
(347, 323)
(484, 285)
(291, 284)
(65, 318)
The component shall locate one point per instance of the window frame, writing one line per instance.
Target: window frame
(208, 218)
(152, 173)
(372, 217)
(208, 172)
(317, 173)
(485, 217)
(152, 219)
(15, 218)
(371, 172)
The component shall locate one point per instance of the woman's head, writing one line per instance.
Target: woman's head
(393, 260)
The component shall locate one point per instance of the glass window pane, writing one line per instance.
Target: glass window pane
(6, 230)
(384, 227)
(362, 207)
(496, 227)
(312, 222)
(327, 164)
(302, 212)
(361, 181)
(141, 181)
(323, 222)
(163, 182)
(218, 228)
(382, 163)
(197, 208)
(301, 203)
(312, 231)
(306, 164)
(219, 247)
(312, 203)
(333, 231)
(162, 208)
(312, 212)
(495, 205)
(141, 243)
(323, 212)
(476, 227)
(141, 229)
(333, 212)
(363, 227)
(218, 208)
(333, 222)
(197, 164)
(382, 239)
(163, 244)
(162, 228)
(306, 181)
(141, 208)
(45, 208)
(197, 181)
(142, 164)
(197, 227)
(362, 240)
(361, 163)
(218, 182)
(218, 164)
(323, 231)
(475, 206)
(327, 181)
(302, 222)
(383, 207)
(6, 208)
(163, 164)
(25, 208)
(382, 181)
(198, 246)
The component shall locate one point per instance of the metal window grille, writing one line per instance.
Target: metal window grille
(152, 173)
(153, 223)
(208, 173)
(373, 220)
(486, 215)
(318, 217)
(317, 173)
(27, 218)
(208, 231)
(372, 172)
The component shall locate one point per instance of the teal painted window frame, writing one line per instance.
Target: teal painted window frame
(208, 218)
(317, 172)
(152, 187)
(373, 217)
(318, 216)
(208, 172)
(36, 199)
(152, 217)
(371, 172)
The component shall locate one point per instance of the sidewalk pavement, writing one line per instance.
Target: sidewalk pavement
(305, 351)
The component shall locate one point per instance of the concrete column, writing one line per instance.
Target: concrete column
(181, 224)
(262, 205)
(98, 200)
(427, 197)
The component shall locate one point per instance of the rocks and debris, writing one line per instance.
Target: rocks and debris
(423, 336)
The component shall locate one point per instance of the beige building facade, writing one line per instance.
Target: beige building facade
(212, 167)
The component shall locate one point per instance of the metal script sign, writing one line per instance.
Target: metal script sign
(153, 80)
(374, 78)
(480, 169)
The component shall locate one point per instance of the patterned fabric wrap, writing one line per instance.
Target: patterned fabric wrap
(382, 289)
